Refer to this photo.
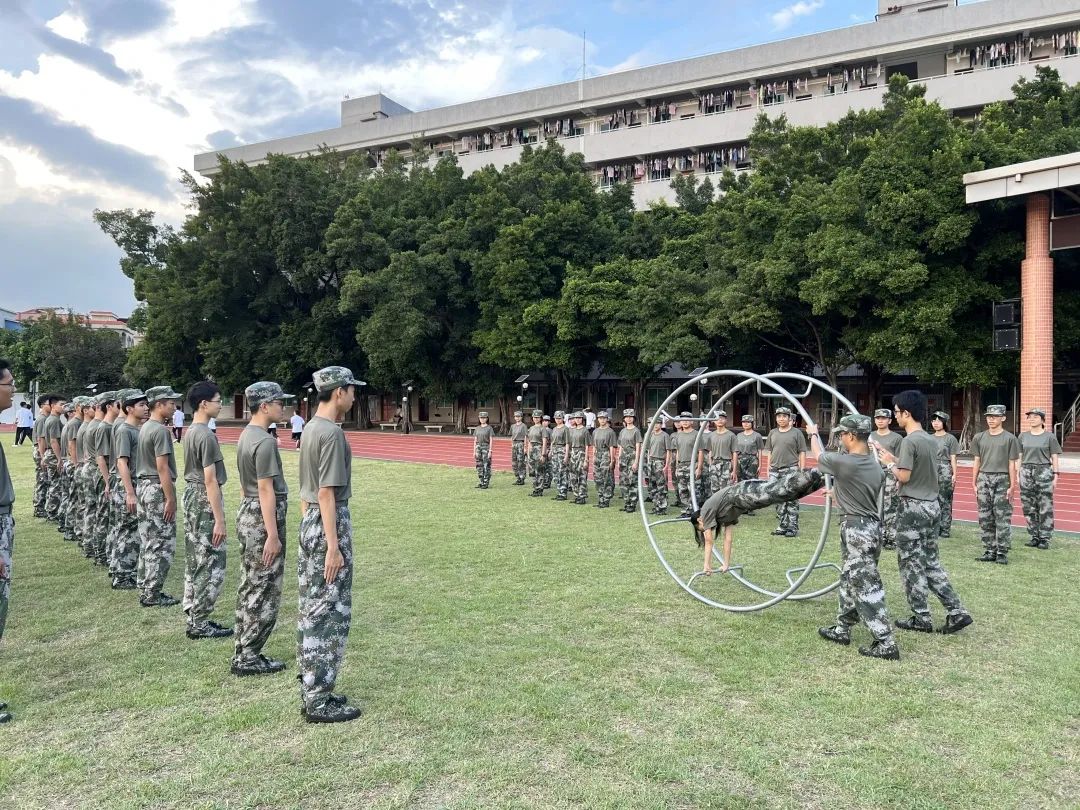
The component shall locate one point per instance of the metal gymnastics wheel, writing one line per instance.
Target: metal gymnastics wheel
(794, 582)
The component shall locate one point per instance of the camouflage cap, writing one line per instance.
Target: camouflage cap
(1036, 412)
(602, 415)
(720, 415)
(106, 397)
(883, 413)
(160, 393)
(746, 418)
(686, 415)
(69, 407)
(482, 415)
(265, 391)
(130, 395)
(944, 417)
(782, 410)
(81, 402)
(995, 410)
(560, 415)
(577, 415)
(331, 377)
(537, 414)
(518, 413)
(546, 418)
(855, 423)
(628, 412)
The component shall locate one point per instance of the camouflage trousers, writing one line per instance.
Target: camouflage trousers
(157, 538)
(719, 475)
(577, 473)
(7, 548)
(628, 477)
(862, 595)
(65, 523)
(482, 457)
(684, 479)
(547, 465)
(101, 519)
(946, 488)
(749, 466)
(123, 535)
(204, 565)
(93, 494)
(787, 513)
(890, 508)
(558, 469)
(52, 479)
(1037, 499)
(40, 487)
(658, 490)
(80, 504)
(517, 460)
(917, 554)
(604, 476)
(258, 596)
(995, 512)
(325, 609)
(536, 467)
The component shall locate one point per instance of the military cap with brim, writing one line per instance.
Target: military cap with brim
(720, 415)
(69, 407)
(560, 415)
(545, 418)
(106, 397)
(331, 377)
(686, 415)
(747, 418)
(130, 395)
(81, 402)
(577, 415)
(160, 393)
(628, 412)
(855, 423)
(944, 417)
(1036, 411)
(265, 391)
(482, 415)
(602, 415)
(518, 413)
(884, 413)
(537, 414)
(995, 410)
(783, 409)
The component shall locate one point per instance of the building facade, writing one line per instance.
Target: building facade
(694, 116)
(95, 319)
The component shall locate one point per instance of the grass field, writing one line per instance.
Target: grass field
(517, 652)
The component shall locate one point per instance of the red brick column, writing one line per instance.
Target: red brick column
(1037, 292)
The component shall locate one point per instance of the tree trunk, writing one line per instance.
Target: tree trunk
(562, 383)
(639, 388)
(461, 411)
(971, 423)
(875, 377)
(504, 414)
(363, 417)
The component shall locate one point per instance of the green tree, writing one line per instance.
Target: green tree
(64, 356)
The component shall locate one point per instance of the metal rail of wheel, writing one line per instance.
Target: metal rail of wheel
(795, 576)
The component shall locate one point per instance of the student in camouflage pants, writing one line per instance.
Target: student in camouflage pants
(629, 460)
(74, 409)
(994, 469)
(1040, 454)
(545, 461)
(884, 438)
(93, 484)
(51, 459)
(260, 529)
(482, 437)
(658, 452)
(604, 443)
(917, 521)
(536, 447)
(682, 442)
(38, 438)
(518, 432)
(125, 503)
(578, 442)
(325, 561)
(948, 447)
(156, 493)
(558, 456)
(102, 461)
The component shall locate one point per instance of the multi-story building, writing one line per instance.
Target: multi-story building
(95, 319)
(9, 319)
(693, 116)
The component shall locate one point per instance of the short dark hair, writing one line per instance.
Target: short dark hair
(5, 365)
(326, 396)
(912, 401)
(24, 405)
(201, 392)
(41, 400)
(127, 406)
(52, 399)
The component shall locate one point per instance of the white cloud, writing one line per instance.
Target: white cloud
(70, 26)
(786, 16)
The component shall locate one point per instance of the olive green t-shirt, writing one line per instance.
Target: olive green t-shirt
(52, 430)
(604, 439)
(578, 437)
(103, 443)
(784, 447)
(857, 481)
(720, 445)
(155, 440)
(1038, 449)
(558, 436)
(629, 438)
(995, 452)
(325, 461)
(257, 457)
(536, 435)
(39, 425)
(201, 450)
(7, 490)
(81, 435)
(749, 443)
(890, 441)
(126, 445)
(657, 445)
(948, 446)
(918, 453)
(89, 435)
(483, 434)
(682, 441)
(69, 432)
(518, 431)
(114, 442)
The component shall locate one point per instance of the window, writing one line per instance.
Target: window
(654, 398)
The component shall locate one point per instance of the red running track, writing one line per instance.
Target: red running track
(457, 451)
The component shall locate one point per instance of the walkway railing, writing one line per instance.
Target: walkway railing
(1068, 421)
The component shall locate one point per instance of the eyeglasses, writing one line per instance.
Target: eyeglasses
(10, 385)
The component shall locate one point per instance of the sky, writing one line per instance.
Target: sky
(103, 102)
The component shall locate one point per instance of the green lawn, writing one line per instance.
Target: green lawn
(515, 652)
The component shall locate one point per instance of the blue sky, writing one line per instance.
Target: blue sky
(103, 101)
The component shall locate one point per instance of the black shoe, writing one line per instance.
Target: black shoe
(954, 624)
(164, 600)
(121, 584)
(1002, 559)
(6, 717)
(338, 700)
(791, 534)
(685, 513)
(944, 535)
(479, 486)
(835, 633)
(2, 706)
(210, 632)
(778, 532)
(988, 556)
(915, 624)
(260, 666)
(559, 498)
(888, 652)
(1032, 543)
(581, 501)
(660, 511)
(331, 712)
(212, 623)
(1044, 545)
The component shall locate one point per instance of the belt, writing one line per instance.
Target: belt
(1033, 464)
(153, 479)
(195, 483)
(277, 496)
